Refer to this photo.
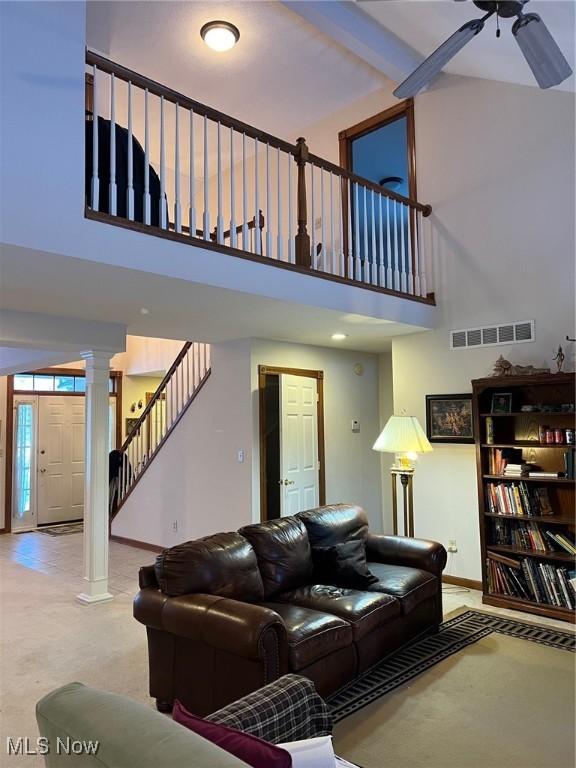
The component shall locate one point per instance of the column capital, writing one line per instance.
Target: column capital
(98, 358)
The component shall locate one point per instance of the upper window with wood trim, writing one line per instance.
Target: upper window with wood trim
(382, 149)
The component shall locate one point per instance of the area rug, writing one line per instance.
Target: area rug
(62, 530)
(486, 692)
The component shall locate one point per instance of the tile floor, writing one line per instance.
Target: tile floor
(48, 639)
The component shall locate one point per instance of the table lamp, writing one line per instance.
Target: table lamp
(404, 437)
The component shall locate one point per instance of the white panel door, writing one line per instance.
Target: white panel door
(60, 459)
(299, 472)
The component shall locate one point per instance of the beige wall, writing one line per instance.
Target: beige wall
(352, 467)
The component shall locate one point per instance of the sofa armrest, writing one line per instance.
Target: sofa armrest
(400, 550)
(242, 629)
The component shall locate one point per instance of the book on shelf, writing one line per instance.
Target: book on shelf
(517, 499)
(529, 580)
(569, 464)
(562, 542)
(521, 535)
(540, 473)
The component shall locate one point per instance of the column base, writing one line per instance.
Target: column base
(89, 599)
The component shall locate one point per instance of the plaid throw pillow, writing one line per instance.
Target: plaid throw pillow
(289, 709)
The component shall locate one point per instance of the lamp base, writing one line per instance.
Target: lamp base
(406, 475)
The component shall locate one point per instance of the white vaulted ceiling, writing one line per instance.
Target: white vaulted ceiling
(425, 24)
(283, 74)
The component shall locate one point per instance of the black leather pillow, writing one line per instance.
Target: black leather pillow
(343, 565)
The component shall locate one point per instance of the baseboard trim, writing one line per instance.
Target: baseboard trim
(135, 543)
(460, 582)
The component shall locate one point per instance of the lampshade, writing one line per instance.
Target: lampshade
(402, 434)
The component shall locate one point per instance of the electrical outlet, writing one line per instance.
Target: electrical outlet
(452, 546)
(175, 526)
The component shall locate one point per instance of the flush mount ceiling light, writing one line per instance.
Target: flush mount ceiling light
(220, 35)
(339, 336)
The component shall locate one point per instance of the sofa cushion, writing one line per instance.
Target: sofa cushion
(311, 635)
(334, 523)
(343, 565)
(224, 564)
(364, 611)
(410, 585)
(252, 750)
(283, 552)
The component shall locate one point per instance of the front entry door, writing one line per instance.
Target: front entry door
(60, 459)
(299, 467)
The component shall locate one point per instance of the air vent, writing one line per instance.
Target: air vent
(493, 335)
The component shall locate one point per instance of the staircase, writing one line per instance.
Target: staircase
(178, 389)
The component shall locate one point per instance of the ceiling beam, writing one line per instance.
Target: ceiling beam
(346, 23)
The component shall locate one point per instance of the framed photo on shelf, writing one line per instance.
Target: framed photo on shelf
(449, 418)
(501, 402)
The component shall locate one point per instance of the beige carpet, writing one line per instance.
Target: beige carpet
(499, 703)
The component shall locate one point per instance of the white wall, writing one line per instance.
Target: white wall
(196, 479)
(352, 467)
(496, 162)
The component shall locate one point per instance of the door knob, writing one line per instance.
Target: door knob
(42, 471)
(289, 482)
(42, 451)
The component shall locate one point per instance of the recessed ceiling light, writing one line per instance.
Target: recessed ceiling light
(339, 336)
(144, 311)
(220, 35)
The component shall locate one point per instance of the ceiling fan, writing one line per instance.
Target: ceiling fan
(540, 50)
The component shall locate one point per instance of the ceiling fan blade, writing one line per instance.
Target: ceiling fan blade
(432, 66)
(540, 50)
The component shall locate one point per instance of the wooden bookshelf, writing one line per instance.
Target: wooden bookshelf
(518, 431)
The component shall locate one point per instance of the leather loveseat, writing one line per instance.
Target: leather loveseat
(231, 612)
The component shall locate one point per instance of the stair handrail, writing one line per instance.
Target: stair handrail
(156, 396)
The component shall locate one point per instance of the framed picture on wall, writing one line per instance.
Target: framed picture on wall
(130, 424)
(449, 418)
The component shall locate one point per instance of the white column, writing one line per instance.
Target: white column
(96, 478)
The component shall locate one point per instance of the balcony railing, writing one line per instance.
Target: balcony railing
(161, 162)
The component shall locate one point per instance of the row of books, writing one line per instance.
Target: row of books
(531, 537)
(529, 580)
(517, 499)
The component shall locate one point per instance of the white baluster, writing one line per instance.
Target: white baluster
(357, 262)
(269, 251)
(417, 285)
(349, 229)
(177, 203)
(323, 252)
(280, 244)
(206, 218)
(192, 206)
(113, 194)
(162, 201)
(312, 217)
(130, 181)
(233, 237)
(220, 217)
(389, 280)
(403, 250)
(341, 255)
(95, 186)
(257, 240)
(381, 270)
(424, 259)
(147, 206)
(291, 245)
(409, 249)
(374, 255)
(333, 268)
(366, 260)
(245, 230)
(396, 272)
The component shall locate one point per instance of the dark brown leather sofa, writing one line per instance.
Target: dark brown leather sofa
(232, 612)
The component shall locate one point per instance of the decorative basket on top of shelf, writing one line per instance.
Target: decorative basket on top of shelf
(525, 427)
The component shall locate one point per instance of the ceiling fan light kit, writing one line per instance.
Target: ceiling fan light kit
(539, 48)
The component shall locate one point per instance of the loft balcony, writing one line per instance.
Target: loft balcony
(160, 163)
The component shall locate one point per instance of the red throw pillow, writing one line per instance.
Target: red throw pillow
(244, 746)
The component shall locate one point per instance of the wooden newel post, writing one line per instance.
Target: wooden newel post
(302, 240)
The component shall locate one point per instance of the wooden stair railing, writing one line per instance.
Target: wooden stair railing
(242, 190)
(176, 392)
